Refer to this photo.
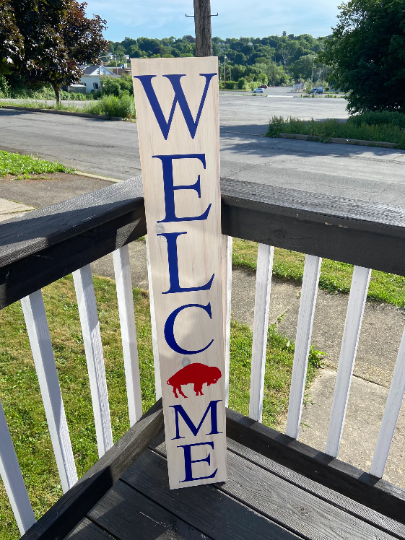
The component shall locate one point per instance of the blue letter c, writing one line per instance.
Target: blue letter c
(169, 328)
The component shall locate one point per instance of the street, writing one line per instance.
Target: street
(111, 148)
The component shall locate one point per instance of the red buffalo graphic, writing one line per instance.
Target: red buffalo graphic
(197, 374)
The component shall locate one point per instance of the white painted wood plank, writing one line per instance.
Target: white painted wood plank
(351, 334)
(158, 384)
(391, 413)
(94, 355)
(42, 352)
(12, 479)
(123, 282)
(178, 125)
(265, 256)
(306, 314)
(226, 303)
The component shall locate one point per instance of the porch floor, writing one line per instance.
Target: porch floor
(261, 500)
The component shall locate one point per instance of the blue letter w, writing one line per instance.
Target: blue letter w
(179, 98)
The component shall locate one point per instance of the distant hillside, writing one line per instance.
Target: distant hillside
(273, 59)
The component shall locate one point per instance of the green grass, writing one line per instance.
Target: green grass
(23, 166)
(123, 107)
(363, 127)
(335, 276)
(21, 399)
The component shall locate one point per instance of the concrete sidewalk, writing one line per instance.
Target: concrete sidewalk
(380, 337)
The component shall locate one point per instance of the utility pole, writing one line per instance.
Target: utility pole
(202, 21)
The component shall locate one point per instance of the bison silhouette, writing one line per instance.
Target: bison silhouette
(194, 373)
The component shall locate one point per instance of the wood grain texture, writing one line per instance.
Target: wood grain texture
(334, 474)
(123, 510)
(215, 514)
(42, 352)
(179, 150)
(348, 351)
(122, 271)
(86, 303)
(265, 256)
(86, 530)
(73, 506)
(306, 315)
(330, 496)
(11, 476)
(391, 413)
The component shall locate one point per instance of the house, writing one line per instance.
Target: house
(91, 77)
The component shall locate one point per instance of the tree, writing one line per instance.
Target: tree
(11, 40)
(366, 54)
(57, 39)
(302, 68)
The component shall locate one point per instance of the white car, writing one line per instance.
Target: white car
(258, 91)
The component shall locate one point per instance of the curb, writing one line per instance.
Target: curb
(97, 177)
(66, 113)
(337, 140)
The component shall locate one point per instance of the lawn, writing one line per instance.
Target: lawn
(372, 126)
(335, 276)
(24, 166)
(21, 399)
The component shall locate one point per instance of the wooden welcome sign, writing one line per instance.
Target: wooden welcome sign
(178, 127)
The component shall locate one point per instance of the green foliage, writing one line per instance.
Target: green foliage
(117, 87)
(366, 54)
(335, 276)
(357, 127)
(53, 40)
(111, 105)
(21, 397)
(23, 166)
(4, 87)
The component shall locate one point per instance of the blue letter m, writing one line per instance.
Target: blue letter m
(179, 98)
(194, 430)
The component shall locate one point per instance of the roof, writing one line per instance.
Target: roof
(94, 71)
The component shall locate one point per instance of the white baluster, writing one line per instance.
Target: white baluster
(306, 314)
(260, 328)
(12, 478)
(391, 413)
(42, 352)
(123, 280)
(158, 384)
(226, 296)
(351, 334)
(94, 355)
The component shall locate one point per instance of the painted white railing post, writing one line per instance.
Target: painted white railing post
(306, 314)
(94, 355)
(42, 352)
(12, 479)
(158, 384)
(125, 298)
(351, 334)
(265, 255)
(227, 294)
(391, 413)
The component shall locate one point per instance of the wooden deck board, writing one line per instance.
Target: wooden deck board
(125, 513)
(86, 530)
(206, 508)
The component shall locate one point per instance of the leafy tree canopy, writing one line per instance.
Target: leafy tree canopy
(366, 54)
(48, 42)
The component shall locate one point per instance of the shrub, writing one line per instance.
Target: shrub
(122, 107)
(4, 87)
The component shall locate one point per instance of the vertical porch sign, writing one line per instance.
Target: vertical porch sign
(178, 127)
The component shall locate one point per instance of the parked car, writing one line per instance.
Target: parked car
(320, 90)
(258, 91)
(313, 90)
(263, 86)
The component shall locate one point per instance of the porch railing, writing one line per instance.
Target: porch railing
(50, 243)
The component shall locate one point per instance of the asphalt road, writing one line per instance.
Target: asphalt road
(111, 148)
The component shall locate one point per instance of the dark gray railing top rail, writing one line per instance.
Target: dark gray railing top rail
(49, 243)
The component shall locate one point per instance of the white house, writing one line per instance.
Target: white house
(91, 77)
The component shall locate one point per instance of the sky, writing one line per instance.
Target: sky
(236, 18)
